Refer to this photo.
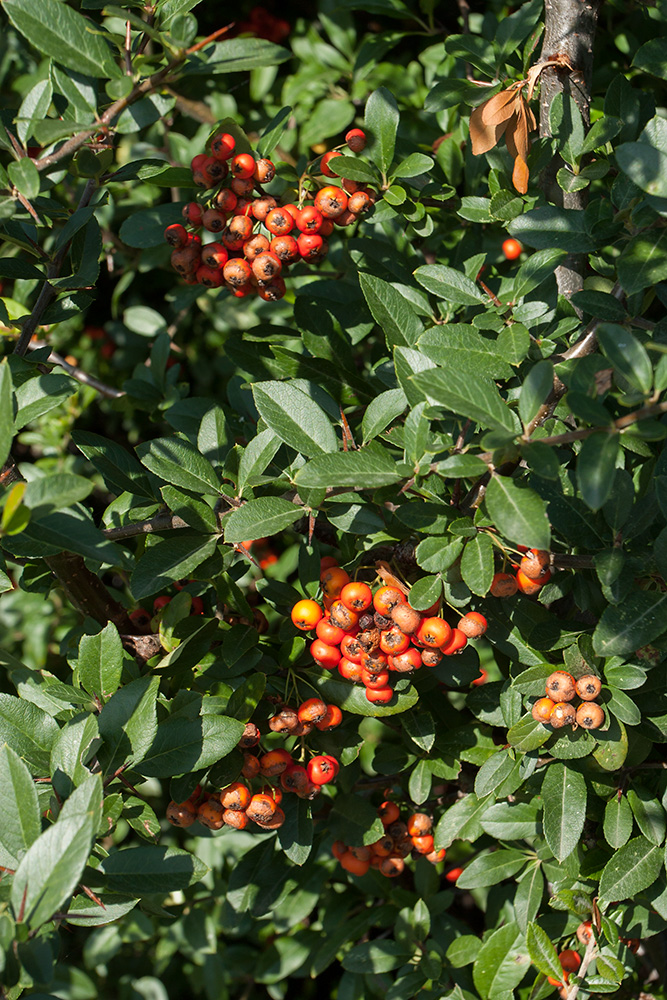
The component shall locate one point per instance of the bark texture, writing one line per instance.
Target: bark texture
(569, 28)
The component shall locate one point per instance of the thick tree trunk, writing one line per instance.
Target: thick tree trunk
(569, 29)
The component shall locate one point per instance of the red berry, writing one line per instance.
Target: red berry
(512, 249)
(356, 140)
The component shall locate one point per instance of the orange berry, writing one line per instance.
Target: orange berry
(560, 686)
(512, 249)
(590, 715)
(503, 585)
(306, 614)
(473, 625)
(542, 710)
(588, 687)
(356, 596)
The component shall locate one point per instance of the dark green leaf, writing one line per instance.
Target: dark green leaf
(518, 512)
(168, 560)
(101, 662)
(296, 833)
(261, 517)
(6, 411)
(62, 33)
(467, 395)
(368, 468)
(648, 813)
(596, 468)
(552, 228)
(501, 964)
(617, 821)
(177, 461)
(28, 731)
(295, 417)
(142, 871)
(542, 952)
(380, 124)
(646, 166)
(537, 385)
(462, 821)
(238, 55)
(391, 311)
(634, 867)
(446, 283)
(477, 564)
(564, 796)
(19, 805)
(624, 628)
(189, 744)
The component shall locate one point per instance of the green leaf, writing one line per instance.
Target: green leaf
(182, 745)
(564, 796)
(552, 228)
(466, 466)
(648, 813)
(511, 820)
(355, 169)
(24, 175)
(542, 952)
(419, 784)
(6, 411)
(420, 727)
(501, 964)
(536, 269)
(128, 723)
(529, 894)
(380, 124)
(462, 821)
(493, 772)
(375, 957)
(392, 312)
(62, 33)
(537, 385)
(413, 166)
(518, 512)
(368, 468)
(84, 912)
(52, 492)
(53, 865)
(40, 395)
(633, 868)
(273, 132)
(623, 707)
(425, 592)
(355, 820)
(295, 417)
(566, 126)
(612, 748)
(101, 662)
(528, 734)
(636, 621)
(119, 469)
(477, 564)
(145, 228)
(645, 165)
(259, 518)
(435, 556)
(21, 817)
(237, 55)
(596, 468)
(245, 699)
(144, 871)
(296, 833)
(446, 283)
(625, 352)
(469, 396)
(461, 346)
(177, 461)
(256, 456)
(168, 560)
(617, 821)
(28, 730)
(381, 411)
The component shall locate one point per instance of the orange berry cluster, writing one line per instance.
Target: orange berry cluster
(557, 710)
(256, 236)
(399, 841)
(531, 574)
(370, 637)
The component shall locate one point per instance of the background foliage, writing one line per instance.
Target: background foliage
(486, 411)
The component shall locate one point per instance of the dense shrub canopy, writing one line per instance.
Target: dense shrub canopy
(467, 390)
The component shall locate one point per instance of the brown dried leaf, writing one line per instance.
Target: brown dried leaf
(521, 141)
(384, 572)
(520, 175)
(499, 107)
(484, 137)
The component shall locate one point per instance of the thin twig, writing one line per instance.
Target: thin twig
(76, 372)
(165, 521)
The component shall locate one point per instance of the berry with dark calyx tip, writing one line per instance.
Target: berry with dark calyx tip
(192, 213)
(310, 792)
(432, 657)
(325, 655)
(542, 710)
(181, 814)
(333, 580)
(210, 814)
(244, 207)
(312, 247)
(186, 260)
(405, 663)
(375, 681)
(345, 218)
(274, 762)
(388, 813)
(385, 600)
(140, 618)
(343, 617)
(214, 255)
(261, 807)
(326, 160)
(235, 796)
(503, 585)
(356, 140)
(423, 844)
(351, 648)
(286, 249)
(535, 563)
(369, 639)
(243, 166)
(223, 146)
(240, 226)
(350, 186)
(350, 670)
(279, 221)
(285, 721)
(585, 932)
(176, 235)
(275, 822)
(590, 715)
(355, 866)
(435, 857)
(473, 625)
(392, 867)
(251, 736)
(331, 720)
(243, 187)
(312, 710)
(328, 633)
(237, 272)
(294, 778)
(419, 824)
(434, 632)
(382, 621)
(379, 696)
(214, 220)
(309, 220)
(214, 171)
(262, 206)
(560, 686)
(226, 200)
(236, 818)
(210, 277)
(272, 290)
(358, 203)
(322, 769)
(331, 201)
(393, 640)
(264, 171)
(457, 642)
(198, 161)
(588, 687)
(366, 621)
(407, 619)
(266, 266)
(563, 714)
